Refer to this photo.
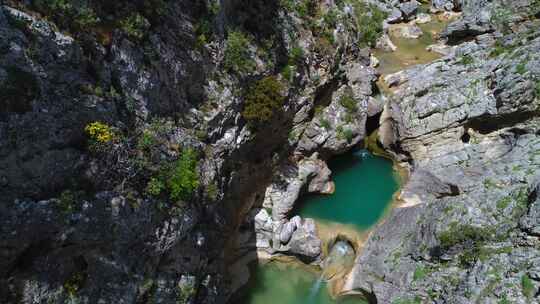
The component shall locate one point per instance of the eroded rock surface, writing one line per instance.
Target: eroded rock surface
(467, 126)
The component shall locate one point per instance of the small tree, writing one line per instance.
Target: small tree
(184, 178)
(263, 100)
(237, 56)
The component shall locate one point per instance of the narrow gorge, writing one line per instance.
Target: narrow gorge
(259, 152)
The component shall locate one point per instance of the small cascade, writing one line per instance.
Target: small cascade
(315, 289)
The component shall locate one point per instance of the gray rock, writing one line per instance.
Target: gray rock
(304, 241)
(409, 9)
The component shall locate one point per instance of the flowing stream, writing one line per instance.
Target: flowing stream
(365, 185)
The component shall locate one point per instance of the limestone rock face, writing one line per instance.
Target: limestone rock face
(467, 126)
(154, 78)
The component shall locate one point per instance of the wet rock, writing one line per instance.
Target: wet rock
(422, 18)
(409, 9)
(406, 30)
(384, 43)
(304, 241)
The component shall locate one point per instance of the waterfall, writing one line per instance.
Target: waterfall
(315, 289)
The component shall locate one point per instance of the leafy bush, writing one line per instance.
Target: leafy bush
(467, 60)
(296, 55)
(212, 191)
(521, 68)
(325, 124)
(345, 134)
(527, 286)
(74, 284)
(68, 13)
(237, 56)
(135, 26)
(146, 141)
(460, 234)
(287, 73)
(183, 178)
(419, 273)
(99, 132)
(537, 89)
(306, 8)
(67, 201)
(154, 187)
(263, 100)
(348, 102)
(369, 19)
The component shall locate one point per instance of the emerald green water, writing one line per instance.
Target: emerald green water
(364, 187)
(286, 285)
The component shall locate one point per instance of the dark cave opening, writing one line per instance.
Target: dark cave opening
(465, 137)
(373, 123)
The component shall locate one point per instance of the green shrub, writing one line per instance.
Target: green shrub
(521, 68)
(527, 286)
(74, 284)
(154, 187)
(263, 100)
(325, 124)
(135, 26)
(296, 55)
(415, 300)
(419, 273)
(307, 8)
(331, 18)
(369, 19)
(288, 5)
(67, 201)
(348, 102)
(212, 191)
(345, 134)
(185, 292)
(499, 48)
(237, 56)
(183, 178)
(68, 13)
(146, 141)
(460, 234)
(537, 89)
(287, 73)
(467, 60)
(503, 203)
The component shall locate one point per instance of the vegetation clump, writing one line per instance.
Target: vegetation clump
(135, 26)
(237, 55)
(369, 20)
(99, 132)
(263, 100)
(154, 187)
(179, 180)
(184, 178)
(527, 286)
(348, 102)
(472, 239)
(74, 284)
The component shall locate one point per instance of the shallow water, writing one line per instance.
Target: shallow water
(411, 52)
(287, 285)
(365, 185)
